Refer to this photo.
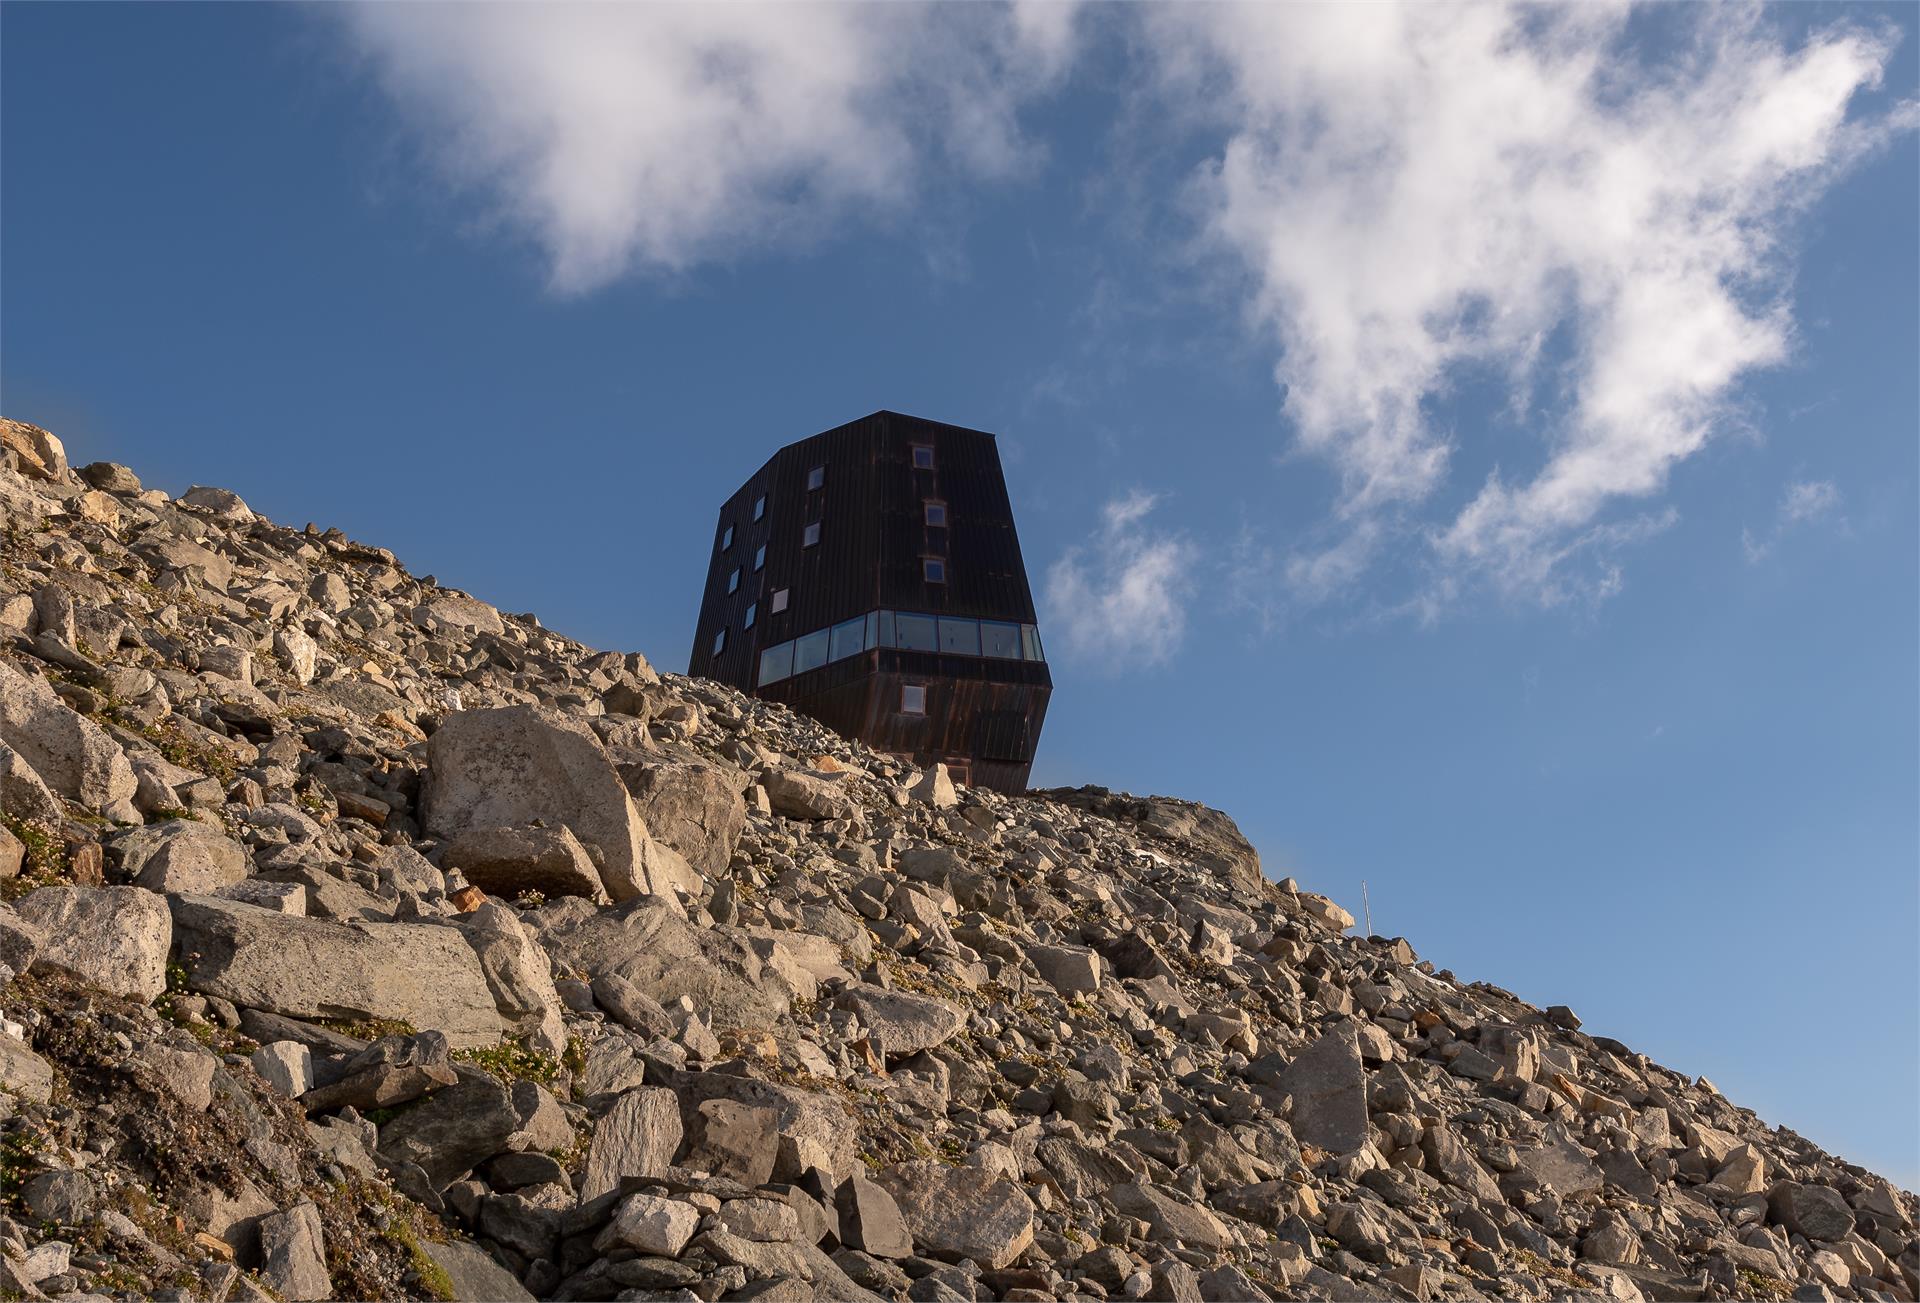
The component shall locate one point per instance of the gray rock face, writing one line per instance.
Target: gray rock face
(64, 1196)
(961, 1212)
(1169, 1220)
(1070, 970)
(474, 1275)
(508, 767)
(181, 856)
(455, 1129)
(519, 974)
(68, 751)
(23, 1072)
(870, 1219)
(803, 794)
(1557, 1161)
(115, 938)
(287, 1066)
(310, 968)
(293, 1254)
(693, 808)
(738, 1141)
(651, 1225)
(1329, 1092)
(655, 949)
(639, 1136)
(904, 1023)
(508, 861)
(23, 792)
(1815, 1211)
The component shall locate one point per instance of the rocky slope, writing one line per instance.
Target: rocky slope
(364, 941)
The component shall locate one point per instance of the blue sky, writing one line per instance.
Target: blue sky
(1476, 451)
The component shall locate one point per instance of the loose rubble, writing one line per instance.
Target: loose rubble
(360, 940)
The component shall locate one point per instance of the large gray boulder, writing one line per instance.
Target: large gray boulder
(422, 974)
(474, 1274)
(69, 752)
(23, 793)
(24, 1073)
(694, 808)
(293, 1254)
(1817, 1212)
(961, 1212)
(902, 1022)
(507, 767)
(509, 861)
(808, 795)
(115, 938)
(1329, 1092)
(638, 1137)
(454, 1130)
(1169, 1220)
(663, 956)
(181, 856)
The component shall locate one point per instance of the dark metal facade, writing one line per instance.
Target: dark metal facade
(882, 515)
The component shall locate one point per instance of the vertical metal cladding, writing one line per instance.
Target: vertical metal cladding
(908, 516)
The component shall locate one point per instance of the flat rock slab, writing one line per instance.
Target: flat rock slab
(1562, 1164)
(1329, 1090)
(421, 974)
(474, 1275)
(454, 1130)
(904, 1023)
(638, 1137)
(1169, 1219)
(961, 1212)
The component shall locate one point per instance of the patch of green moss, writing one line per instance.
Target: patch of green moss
(19, 1159)
(45, 861)
(512, 1061)
(432, 1277)
(368, 1029)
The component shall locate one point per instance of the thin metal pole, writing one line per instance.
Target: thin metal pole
(1366, 906)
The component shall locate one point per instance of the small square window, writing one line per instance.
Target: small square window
(937, 514)
(779, 602)
(935, 569)
(913, 699)
(753, 609)
(760, 507)
(810, 535)
(759, 557)
(816, 477)
(733, 580)
(922, 457)
(726, 538)
(720, 641)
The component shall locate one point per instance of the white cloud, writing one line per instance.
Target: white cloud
(1804, 502)
(1424, 193)
(1120, 599)
(624, 137)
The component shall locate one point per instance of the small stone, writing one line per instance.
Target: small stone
(63, 1197)
(287, 1066)
(649, 1224)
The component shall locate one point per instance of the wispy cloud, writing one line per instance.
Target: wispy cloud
(1119, 601)
(1803, 502)
(648, 137)
(1423, 193)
